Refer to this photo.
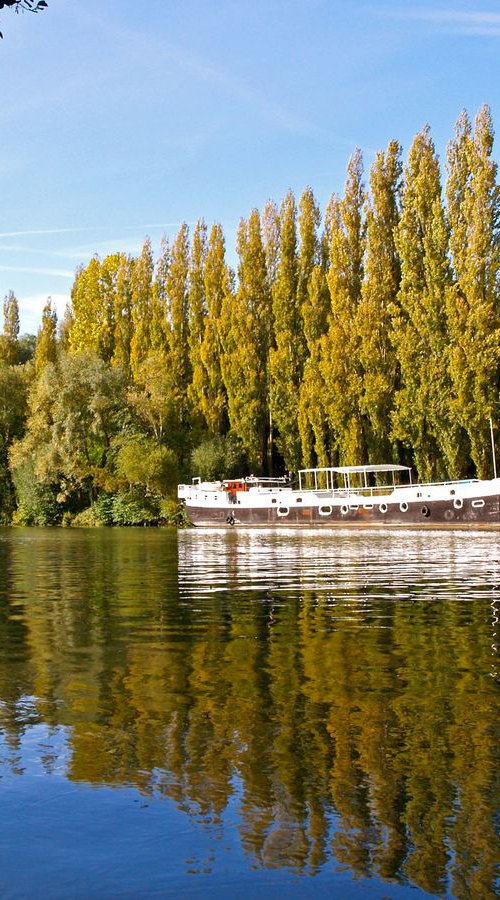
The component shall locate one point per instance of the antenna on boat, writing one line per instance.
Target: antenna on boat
(493, 449)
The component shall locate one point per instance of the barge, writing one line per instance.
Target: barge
(373, 495)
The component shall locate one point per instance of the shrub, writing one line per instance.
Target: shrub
(218, 457)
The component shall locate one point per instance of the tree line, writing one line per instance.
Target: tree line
(369, 333)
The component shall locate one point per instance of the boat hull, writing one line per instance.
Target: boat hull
(473, 512)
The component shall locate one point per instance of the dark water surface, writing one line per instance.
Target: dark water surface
(248, 713)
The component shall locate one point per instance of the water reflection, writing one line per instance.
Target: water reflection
(336, 687)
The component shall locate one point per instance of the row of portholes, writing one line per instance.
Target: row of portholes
(344, 509)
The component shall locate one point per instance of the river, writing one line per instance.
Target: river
(239, 713)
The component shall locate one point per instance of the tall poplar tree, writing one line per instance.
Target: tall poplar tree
(159, 302)
(9, 348)
(197, 317)
(423, 417)
(287, 356)
(85, 303)
(245, 326)
(110, 267)
(123, 314)
(312, 420)
(309, 250)
(141, 300)
(177, 295)
(473, 202)
(340, 365)
(379, 291)
(213, 395)
(46, 342)
(270, 228)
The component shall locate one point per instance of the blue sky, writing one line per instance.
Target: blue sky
(121, 119)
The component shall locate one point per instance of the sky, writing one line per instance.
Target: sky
(122, 119)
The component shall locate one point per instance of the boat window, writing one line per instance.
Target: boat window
(325, 510)
(274, 500)
(458, 503)
(298, 500)
(283, 510)
(478, 503)
(403, 506)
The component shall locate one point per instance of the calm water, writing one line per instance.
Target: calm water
(237, 714)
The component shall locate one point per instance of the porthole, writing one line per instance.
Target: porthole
(298, 500)
(458, 503)
(383, 507)
(477, 504)
(368, 506)
(452, 491)
(283, 510)
(325, 510)
(425, 512)
(353, 507)
(274, 500)
(403, 506)
(344, 509)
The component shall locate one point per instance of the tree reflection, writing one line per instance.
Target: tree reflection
(342, 739)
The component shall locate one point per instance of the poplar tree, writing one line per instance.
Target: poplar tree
(473, 203)
(245, 325)
(197, 317)
(270, 229)
(9, 345)
(287, 356)
(213, 395)
(106, 312)
(159, 301)
(312, 420)
(123, 314)
(423, 417)
(46, 343)
(142, 279)
(379, 291)
(177, 297)
(85, 303)
(309, 251)
(339, 364)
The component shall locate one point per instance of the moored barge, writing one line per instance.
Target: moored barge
(343, 496)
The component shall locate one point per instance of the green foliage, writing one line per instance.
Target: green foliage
(172, 513)
(129, 509)
(36, 502)
(219, 457)
(141, 462)
(46, 343)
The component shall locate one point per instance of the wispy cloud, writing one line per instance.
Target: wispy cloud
(480, 23)
(35, 270)
(87, 228)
